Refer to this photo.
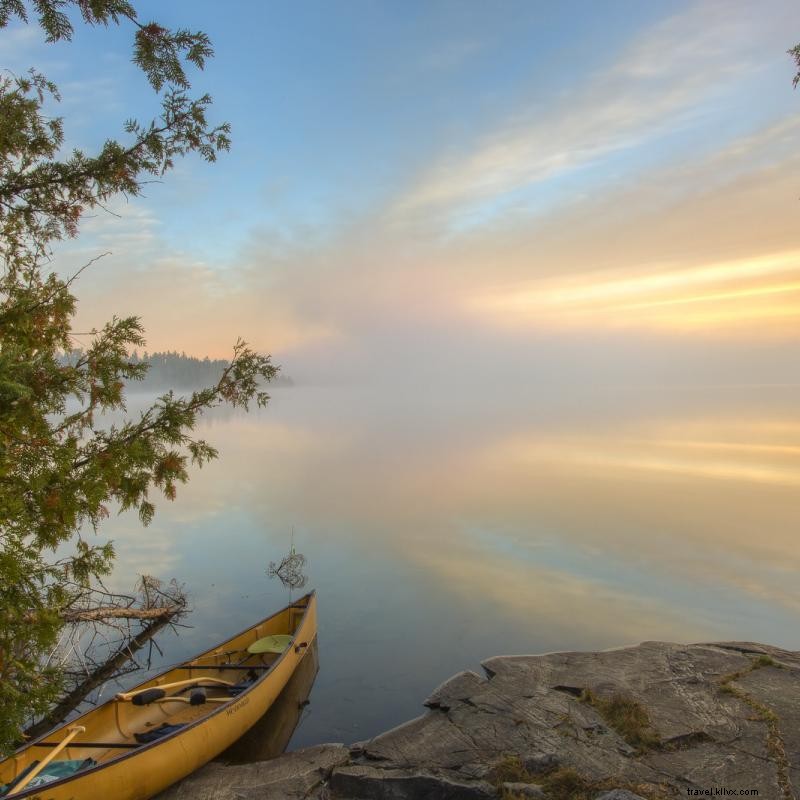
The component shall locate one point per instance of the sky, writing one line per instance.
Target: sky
(552, 252)
(568, 190)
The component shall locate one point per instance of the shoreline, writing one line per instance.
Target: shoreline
(654, 721)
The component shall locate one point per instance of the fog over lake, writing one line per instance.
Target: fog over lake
(532, 275)
(446, 522)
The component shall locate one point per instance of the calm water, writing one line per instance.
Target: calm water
(444, 528)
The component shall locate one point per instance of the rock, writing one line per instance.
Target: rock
(292, 776)
(377, 783)
(699, 727)
(453, 690)
(525, 789)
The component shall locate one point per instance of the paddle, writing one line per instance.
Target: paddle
(194, 700)
(226, 666)
(72, 733)
(160, 690)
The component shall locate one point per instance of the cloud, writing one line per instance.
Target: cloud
(20, 43)
(664, 80)
(186, 303)
(699, 244)
(709, 245)
(764, 290)
(81, 98)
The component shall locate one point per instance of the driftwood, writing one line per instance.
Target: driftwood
(113, 612)
(102, 632)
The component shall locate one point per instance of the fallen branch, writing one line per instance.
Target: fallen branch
(100, 623)
(99, 676)
(102, 613)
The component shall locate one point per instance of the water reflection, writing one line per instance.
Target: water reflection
(270, 735)
(289, 570)
(444, 529)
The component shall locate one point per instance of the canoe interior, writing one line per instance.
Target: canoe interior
(111, 727)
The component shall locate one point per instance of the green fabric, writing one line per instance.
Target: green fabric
(60, 769)
(276, 643)
(52, 772)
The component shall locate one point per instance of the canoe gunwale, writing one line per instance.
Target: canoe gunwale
(135, 750)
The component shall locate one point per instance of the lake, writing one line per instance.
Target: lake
(442, 527)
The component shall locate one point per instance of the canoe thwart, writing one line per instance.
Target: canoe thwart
(227, 666)
(174, 685)
(198, 697)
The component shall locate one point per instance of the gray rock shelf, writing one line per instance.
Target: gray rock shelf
(723, 715)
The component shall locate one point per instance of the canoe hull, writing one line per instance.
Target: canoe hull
(142, 773)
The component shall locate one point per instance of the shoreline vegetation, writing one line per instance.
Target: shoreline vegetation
(172, 370)
(63, 470)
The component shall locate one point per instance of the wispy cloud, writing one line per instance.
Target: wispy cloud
(185, 302)
(664, 79)
(20, 42)
(703, 241)
(765, 288)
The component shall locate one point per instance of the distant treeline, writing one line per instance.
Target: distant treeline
(178, 371)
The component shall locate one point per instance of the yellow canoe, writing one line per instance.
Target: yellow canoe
(143, 740)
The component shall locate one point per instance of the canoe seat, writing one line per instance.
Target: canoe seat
(54, 771)
(157, 733)
(275, 643)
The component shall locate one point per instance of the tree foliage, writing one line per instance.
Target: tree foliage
(173, 370)
(794, 52)
(61, 470)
